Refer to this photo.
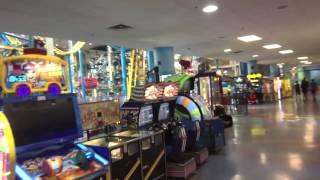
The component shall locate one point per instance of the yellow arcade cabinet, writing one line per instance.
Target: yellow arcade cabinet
(7, 150)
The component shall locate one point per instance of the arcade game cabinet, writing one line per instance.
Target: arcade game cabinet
(44, 130)
(33, 72)
(209, 86)
(255, 92)
(136, 113)
(138, 151)
(195, 109)
(7, 150)
(100, 118)
(138, 120)
(124, 155)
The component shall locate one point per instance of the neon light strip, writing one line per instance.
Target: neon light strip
(21, 173)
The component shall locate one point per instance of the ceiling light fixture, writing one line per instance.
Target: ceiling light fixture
(90, 44)
(303, 58)
(227, 50)
(249, 38)
(272, 46)
(288, 51)
(256, 55)
(308, 63)
(210, 8)
(303, 62)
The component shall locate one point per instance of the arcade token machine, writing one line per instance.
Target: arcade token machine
(44, 130)
(7, 150)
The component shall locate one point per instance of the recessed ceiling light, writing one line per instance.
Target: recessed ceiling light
(303, 62)
(210, 8)
(90, 44)
(256, 55)
(249, 38)
(288, 51)
(308, 62)
(57, 44)
(272, 46)
(227, 50)
(303, 58)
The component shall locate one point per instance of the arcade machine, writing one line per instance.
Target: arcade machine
(153, 110)
(45, 147)
(7, 150)
(268, 89)
(138, 150)
(227, 90)
(33, 72)
(255, 92)
(102, 119)
(239, 99)
(240, 85)
(209, 86)
(99, 118)
(195, 109)
(282, 87)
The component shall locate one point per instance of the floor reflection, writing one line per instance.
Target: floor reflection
(278, 141)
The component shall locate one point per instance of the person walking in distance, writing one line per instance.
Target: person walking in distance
(304, 87)
(297, 89)
(313, 88)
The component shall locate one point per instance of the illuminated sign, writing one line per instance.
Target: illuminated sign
(21, 78)
(254, 76)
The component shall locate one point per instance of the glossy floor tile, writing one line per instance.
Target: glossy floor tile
(279, 141)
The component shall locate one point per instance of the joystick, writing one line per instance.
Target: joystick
(84, 157)
(53, 165)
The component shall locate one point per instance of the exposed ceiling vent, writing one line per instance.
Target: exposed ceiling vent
(100, 48)
(120, 27)
(282, 7)
(237, 52)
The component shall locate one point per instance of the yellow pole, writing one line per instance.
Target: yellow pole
(132, 170)
(130, 73)
(154, 165)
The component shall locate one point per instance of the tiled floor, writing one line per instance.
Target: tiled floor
(279, 141)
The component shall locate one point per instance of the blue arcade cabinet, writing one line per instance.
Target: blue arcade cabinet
(45, 129)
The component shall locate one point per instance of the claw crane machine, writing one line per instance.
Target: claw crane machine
(7, 150)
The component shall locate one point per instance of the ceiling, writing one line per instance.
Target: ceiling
(177, 23)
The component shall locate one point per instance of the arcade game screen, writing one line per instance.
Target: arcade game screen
(99, 114)
(37, 122)
(164, 112)
(205, 89)
(146, 116)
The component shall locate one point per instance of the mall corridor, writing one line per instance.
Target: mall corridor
(278, 141)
